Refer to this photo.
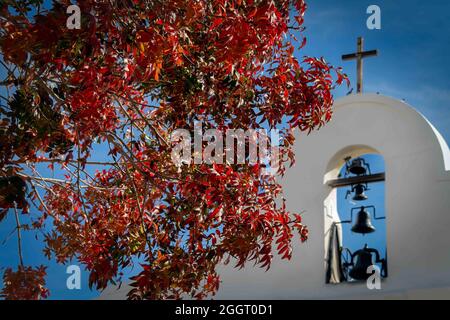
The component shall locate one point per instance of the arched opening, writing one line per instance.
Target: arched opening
(355, 217)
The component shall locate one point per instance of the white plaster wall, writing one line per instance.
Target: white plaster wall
(417, 206)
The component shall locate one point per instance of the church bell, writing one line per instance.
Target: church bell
(363, 262)
(363, 222)
(359, 190)
(357, 166)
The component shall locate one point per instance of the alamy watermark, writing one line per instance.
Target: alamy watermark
(73, 282)
(74, 20)
(234, 146)
(374, 280)
(374, 20)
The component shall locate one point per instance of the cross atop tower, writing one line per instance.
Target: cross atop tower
(359, 56)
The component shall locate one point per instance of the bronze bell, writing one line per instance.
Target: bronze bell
(359, 190)
(363, 261)
(357, 166)
(363, 222)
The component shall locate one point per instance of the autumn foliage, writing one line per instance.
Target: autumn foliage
(132, 74)
(25, 283)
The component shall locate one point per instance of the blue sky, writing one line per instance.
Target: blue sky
(413, 44)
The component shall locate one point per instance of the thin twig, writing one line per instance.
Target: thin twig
(19, 236)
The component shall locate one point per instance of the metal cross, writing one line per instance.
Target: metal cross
(359, 56)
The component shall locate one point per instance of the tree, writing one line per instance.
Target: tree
(129, 77)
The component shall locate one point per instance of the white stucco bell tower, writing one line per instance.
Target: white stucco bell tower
(417, 163)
